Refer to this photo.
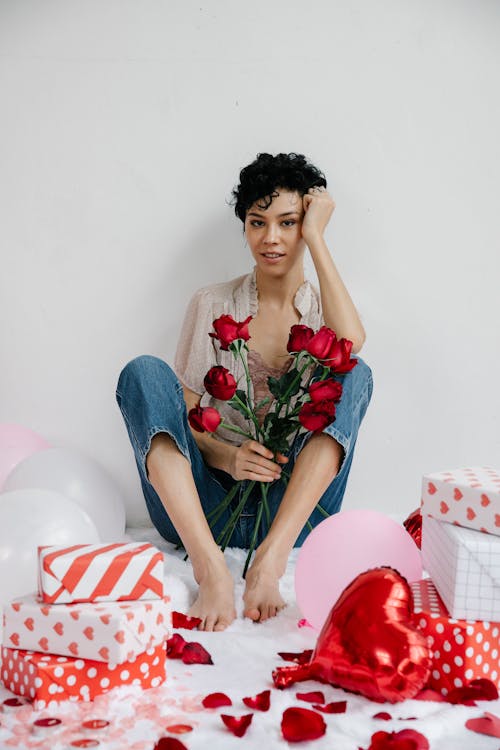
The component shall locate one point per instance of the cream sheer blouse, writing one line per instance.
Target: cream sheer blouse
(197, 352)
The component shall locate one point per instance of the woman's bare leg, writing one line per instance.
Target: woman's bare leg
(315, 468)
(170, 474)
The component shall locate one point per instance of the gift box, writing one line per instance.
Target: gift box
(467, 497)
(109, 632)
(45, 678)
(462, 650)
(100, 572)
(465, 567)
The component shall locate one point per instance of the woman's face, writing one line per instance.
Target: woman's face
(274, 234)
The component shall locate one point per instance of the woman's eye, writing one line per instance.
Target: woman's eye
(289, 223)
(256, 223)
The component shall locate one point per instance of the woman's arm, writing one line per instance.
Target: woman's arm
(339, 310)
(251, 460)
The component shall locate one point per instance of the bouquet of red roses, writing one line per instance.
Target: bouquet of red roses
(304, 399)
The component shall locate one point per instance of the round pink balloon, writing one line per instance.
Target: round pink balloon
(343, 546)
(16, 444)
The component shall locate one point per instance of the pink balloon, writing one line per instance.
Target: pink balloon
(16, 444)
(343, 546)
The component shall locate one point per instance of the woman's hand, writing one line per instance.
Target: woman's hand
(253, 461)
(318, 208)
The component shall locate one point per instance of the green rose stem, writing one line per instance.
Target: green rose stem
(225, 535)
(254, 536)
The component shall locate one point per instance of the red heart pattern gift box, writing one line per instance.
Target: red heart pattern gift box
(468, 497)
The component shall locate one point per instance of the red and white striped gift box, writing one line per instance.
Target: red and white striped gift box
(100, 572)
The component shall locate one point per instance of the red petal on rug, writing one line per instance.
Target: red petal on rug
(300, 724)
(260, 702)
(337, 707)
(180, 620)
(215, 700)
(486, 724)
(301, 657)
(169, 743)
(406, 739)
(430, 695)
(382, 715)
(194, 653)
(316, 696)
(175, 646)
(477, 690)
(179, 728)
(238, 725)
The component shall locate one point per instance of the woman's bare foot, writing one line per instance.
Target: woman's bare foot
(262, 596)
(215, 601)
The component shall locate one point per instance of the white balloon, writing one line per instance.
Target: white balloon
(33, 517)
(78, 478)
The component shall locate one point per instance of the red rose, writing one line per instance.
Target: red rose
(228, 330)
(220, 383)
(316, 415)
(322, 342)
(299, 338)
(204, 418)
(339, 356)
(325, 390)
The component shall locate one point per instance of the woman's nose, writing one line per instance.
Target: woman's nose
(272, 234)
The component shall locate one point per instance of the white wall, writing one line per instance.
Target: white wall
(123, 127)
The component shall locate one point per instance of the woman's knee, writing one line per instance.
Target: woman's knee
(144, 373)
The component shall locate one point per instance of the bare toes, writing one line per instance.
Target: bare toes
(253, 613)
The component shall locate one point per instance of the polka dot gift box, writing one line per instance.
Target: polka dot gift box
(100, 572)
(47, 679)
(468, 497)
(109, 632)
(462, 650)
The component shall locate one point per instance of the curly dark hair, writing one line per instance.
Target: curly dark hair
(260, 180)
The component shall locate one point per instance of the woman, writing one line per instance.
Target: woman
(284, 206)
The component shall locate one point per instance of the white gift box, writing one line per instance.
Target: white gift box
(100, 572)
(465, 567)
(111, 632)
(468, 497)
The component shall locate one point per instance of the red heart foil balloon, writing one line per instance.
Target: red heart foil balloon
(368, 644)
(413, 525)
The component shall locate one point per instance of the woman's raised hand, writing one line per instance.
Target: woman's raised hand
(253, 461)
(318, 208)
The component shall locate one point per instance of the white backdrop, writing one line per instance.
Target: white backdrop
(122, 131)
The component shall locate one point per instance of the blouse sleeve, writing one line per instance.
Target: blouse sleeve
(195, 352)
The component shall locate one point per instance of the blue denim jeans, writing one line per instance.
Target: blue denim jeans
(151, 400)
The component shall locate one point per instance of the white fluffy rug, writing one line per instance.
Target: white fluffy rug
(244, 657)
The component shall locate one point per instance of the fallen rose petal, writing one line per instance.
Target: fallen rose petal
(300, 657)
(238, 725)
(316, 696)
(337, 707)
(194, 653)
(382, 715)
(477, 690)
(260, 702)
(406, 739)
(169, 743)
(215, 700)
(487, 724)
(180, 620)
(300, 724)
(179, 728)
(175, 646)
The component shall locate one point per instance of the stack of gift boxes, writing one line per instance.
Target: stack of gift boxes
(458, 607)
(100, 620)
